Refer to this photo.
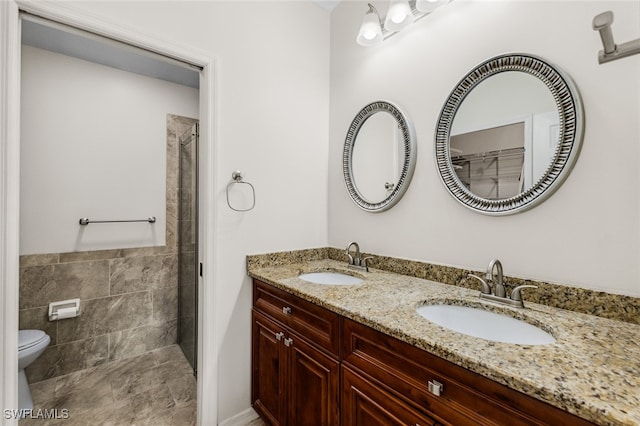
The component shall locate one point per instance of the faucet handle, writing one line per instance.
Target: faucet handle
(516, 294)
(486, 288)
(365, 262)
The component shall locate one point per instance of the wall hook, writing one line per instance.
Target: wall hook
(612, 51)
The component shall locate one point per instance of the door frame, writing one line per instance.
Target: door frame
(10, 41)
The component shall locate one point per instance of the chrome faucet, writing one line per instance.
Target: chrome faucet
(496, 292)
(498, 287)
(355, 261)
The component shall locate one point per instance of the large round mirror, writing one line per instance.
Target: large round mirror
(509, 134)
(379, 156)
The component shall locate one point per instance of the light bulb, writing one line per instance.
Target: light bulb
(369, 35)
(398, 18)
(399, 15)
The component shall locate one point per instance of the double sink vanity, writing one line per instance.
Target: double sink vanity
(332, 345)
(341, 339)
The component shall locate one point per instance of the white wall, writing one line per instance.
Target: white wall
(587, 234)
(272, 120)
(93, 144)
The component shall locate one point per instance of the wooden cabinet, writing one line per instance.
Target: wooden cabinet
(462, 397)
(300, 350)
(365, 404)
(295, 380)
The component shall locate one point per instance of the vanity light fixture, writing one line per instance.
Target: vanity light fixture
(401, 14)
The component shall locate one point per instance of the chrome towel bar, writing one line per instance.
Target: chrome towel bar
(86, 221)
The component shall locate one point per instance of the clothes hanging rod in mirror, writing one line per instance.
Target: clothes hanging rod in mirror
(86, 221)
(509, 152)
(612, 51)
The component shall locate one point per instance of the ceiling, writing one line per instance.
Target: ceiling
(327, 5)
(79, 44)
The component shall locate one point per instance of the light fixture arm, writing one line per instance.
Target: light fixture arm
(375, 11)
(612, 51)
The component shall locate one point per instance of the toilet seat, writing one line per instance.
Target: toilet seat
(30, 338)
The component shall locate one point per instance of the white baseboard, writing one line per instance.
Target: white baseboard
(241, 418)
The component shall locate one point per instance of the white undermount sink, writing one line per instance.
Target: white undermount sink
(485, 324)
(330, 278)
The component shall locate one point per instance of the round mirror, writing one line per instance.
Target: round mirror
(379, 156)
(509, 134)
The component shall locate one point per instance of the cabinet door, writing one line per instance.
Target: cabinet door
(268, 376)
(314, 380)
(364, 404)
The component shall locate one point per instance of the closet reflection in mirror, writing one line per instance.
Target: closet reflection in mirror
(377, 156)
(504, 135)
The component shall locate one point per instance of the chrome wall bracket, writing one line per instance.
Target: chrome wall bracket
(612, 51)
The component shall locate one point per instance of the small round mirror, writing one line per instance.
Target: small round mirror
(379, 156)
(509, 134)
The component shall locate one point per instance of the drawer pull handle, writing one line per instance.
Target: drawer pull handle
(435, 387)
(279, 336)
(288, 341)
(286, 310)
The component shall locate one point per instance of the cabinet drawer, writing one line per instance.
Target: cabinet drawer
(316, 324)
(365, 404)
(466, 397)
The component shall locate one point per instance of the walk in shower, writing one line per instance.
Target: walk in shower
(188, 270)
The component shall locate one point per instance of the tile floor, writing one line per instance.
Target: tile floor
(157, 388)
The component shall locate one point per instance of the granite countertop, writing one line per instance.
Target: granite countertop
(592, 370)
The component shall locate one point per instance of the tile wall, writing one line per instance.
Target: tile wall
(188, 232)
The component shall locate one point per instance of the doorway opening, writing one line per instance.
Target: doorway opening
(127, 332)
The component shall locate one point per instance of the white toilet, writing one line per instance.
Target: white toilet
(31, 344)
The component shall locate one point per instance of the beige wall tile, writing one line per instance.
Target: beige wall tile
(143, 273)
(106, 315)
(41, 285)
(135, 341)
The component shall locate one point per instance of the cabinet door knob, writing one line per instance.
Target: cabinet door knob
(435, 387)
(279, 336)
(288, 341)
(286, 310)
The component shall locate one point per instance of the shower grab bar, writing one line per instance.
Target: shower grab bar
(86, 221)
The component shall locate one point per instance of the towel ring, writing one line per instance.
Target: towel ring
(237, 179)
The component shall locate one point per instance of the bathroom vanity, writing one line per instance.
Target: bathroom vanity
(297, 364)
(360, 355)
